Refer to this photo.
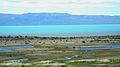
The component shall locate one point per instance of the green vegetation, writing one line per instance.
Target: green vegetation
(55, 51)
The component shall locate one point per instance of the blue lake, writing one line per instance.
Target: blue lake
(12, 48)
(56, 30)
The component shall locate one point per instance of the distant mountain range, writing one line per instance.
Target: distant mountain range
(55, 19)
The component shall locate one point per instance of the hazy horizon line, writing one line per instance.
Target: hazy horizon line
(58, 13)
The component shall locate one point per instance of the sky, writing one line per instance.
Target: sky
(78, 7)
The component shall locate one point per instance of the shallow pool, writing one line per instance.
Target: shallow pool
(12, 48)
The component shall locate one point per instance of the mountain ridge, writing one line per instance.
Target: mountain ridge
(55, 19)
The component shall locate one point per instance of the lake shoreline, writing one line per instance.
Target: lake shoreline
(67, 40)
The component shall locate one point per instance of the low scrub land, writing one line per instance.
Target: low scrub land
(77, 51)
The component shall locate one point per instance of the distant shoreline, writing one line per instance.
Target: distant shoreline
(61, 24)
(61, 35)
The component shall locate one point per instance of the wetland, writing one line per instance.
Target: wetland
(77, 51)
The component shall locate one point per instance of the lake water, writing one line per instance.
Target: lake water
(98, 47)
(12, 48)
(92, 47)
(17, 60)
(61, 30)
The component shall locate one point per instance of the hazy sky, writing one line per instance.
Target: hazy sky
(99, 7)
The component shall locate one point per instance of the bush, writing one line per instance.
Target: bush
(114, 60)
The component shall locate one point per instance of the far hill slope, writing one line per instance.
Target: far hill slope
(55, 19)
